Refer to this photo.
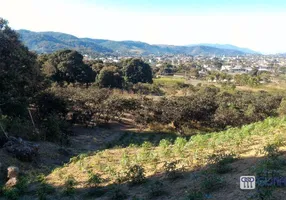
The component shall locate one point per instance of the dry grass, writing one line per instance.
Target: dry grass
(191, 154)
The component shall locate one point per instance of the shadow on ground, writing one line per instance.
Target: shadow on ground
(198, 184)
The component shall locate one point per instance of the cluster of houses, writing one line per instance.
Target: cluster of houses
(233, 65)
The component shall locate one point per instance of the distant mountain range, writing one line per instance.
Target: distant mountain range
(48, 42)
(229, 46)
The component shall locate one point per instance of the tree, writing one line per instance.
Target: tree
(67, 65)
(167, 69)
(135, 71)
(109, 77)
(217, 64)
(95, 65)
(20, 76)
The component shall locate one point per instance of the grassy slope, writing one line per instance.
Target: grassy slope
(246, 142)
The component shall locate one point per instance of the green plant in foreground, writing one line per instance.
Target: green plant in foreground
(171, 170)
(94, 179)
(271, 151)
(69, 185)
(220, 162)
(15, 192)
(135, 174)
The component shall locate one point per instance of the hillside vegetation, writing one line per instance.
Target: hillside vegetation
(72, 128)
(201, 167)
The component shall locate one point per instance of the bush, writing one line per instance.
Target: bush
(69, 189)
(56, 130)
(171, 170)
(147, 89)
(271, 151)
(94, 179)
(50, 104)
(110, 77)
(21, 127)
(135, 174)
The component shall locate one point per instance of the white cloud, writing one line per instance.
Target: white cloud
(262, 32)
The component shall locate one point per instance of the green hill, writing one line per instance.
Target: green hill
(47, 42)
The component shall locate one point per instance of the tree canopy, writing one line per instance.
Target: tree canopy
(67, 65)
(110, 77)
(20, 75)
(135, 71)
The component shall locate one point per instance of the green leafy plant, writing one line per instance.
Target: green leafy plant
(94, 179)
(69, 186)
(271, 151)
(171, 170)
(135, 174)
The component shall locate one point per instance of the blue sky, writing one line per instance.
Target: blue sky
(256, 24)
(196, 6)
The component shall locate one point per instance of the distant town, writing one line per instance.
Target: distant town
(228, 64)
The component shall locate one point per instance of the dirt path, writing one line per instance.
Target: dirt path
(92, 139)
(85, 140)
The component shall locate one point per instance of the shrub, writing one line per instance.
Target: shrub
(271, 151)
(50, 104)
(56, 130)
(69, 189)
(147, 89)
(171, 170)
(21, 127)
(15, 192)
(135, 174)
(220, 162)
(110, 77)
(179, 144)
(94, 179)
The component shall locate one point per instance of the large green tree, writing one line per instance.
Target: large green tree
(20, 76)
(109, 77)
(167, 69)
(135, 71)
(67, 65)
